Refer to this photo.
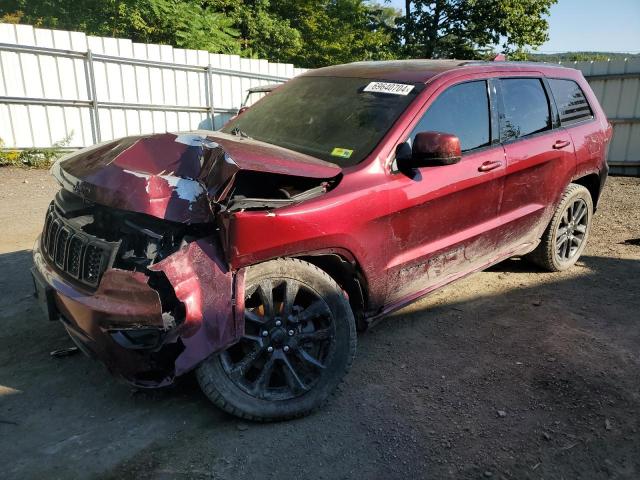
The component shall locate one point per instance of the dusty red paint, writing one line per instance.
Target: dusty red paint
(399, 228)
(406, 234)
(204, 285)
(123, 298)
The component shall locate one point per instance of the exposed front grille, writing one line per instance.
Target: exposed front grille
(73, 252)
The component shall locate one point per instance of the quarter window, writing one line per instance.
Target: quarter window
(462, 110)
(525, 108)
(572, 104)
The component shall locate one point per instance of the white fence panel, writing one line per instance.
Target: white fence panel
(56, 85)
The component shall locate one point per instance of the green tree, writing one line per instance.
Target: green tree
(262, 33)
(471, 28)
(183, 23)
(308, 33)
(338, 31)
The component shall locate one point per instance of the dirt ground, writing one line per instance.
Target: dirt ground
(511, 373)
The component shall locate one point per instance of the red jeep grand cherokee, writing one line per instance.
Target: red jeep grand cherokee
(251, 254)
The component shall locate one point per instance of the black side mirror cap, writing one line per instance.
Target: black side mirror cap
(404, 157)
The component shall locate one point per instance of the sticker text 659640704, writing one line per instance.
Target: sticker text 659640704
(387, 87)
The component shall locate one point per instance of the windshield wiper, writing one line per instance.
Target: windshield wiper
(239, 133)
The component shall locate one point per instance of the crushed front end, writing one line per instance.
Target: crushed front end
(148, 297)
(133, 258)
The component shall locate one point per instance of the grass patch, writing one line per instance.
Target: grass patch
(33, 157)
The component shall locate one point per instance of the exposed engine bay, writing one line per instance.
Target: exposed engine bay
(257, 190)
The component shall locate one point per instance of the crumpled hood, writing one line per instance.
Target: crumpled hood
(176, 177)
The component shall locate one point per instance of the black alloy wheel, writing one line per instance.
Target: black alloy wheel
(298, 344)
(289, 338)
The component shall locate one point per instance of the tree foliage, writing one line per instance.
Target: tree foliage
(472, 28)
(338, 31)
(183, 23)
(308, 33)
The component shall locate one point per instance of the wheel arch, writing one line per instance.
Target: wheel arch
(345, 270)
(592, 183)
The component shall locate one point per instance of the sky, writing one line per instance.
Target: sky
(589, 25)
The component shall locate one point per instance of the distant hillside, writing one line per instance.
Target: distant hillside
(579, 56)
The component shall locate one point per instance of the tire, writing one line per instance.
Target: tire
(559, 251)
(284, 370)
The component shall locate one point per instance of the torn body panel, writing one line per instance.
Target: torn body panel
(213, 317)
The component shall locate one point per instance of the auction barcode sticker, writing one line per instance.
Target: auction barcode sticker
(392, 88)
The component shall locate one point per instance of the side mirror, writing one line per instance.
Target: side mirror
(429, 149)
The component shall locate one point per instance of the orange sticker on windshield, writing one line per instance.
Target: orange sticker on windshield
(341, 152)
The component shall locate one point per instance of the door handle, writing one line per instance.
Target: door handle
(490, 165)
(561, 144)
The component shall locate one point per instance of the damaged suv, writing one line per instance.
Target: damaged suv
(250, 255)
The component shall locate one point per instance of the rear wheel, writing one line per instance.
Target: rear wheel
(299, 342)
(566, 236)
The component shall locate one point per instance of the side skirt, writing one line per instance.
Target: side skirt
(409, 299)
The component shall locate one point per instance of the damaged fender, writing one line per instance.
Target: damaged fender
(213, 298)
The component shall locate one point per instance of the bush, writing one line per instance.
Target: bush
(33, 157)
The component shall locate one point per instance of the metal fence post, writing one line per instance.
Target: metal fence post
(93, 97)
(209, 90)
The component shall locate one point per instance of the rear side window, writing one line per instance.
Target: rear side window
(572, 104)
(525, 108)
(462, 110)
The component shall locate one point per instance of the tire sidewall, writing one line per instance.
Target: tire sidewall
(580, 193)
(212, 372)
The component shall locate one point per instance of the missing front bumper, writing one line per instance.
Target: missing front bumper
(122, 325)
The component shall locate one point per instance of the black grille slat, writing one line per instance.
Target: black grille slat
(74, 252)
(51, 239)
(93, 263)
(47, 228)
(74, 262)
(61, 247)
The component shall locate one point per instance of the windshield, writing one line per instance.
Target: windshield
(336, 119)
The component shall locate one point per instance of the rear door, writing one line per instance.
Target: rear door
(577, 117)
(443, 217)
(540, 159)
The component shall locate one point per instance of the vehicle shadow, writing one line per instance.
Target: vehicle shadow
(538, 371)
(556, 353)
(516, 265)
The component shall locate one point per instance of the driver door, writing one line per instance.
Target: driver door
(444, 218)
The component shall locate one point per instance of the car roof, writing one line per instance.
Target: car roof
(421, 71)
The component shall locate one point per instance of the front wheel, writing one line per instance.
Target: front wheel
(566, 236)
(299, 342)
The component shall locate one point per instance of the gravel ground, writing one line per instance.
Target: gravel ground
(511, 373)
